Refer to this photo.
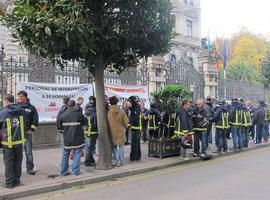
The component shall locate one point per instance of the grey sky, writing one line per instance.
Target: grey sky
(224, 17)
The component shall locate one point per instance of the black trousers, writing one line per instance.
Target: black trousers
(135, 153)
(13, 164)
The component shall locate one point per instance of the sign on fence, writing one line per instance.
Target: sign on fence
(123, 92)
(48, 98)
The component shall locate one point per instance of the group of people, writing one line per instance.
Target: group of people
(78, 129)
(194, 125)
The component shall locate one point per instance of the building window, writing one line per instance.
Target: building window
(189, 2)
(189, 24)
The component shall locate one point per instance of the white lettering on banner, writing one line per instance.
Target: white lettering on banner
(48, 98)
(124, 92)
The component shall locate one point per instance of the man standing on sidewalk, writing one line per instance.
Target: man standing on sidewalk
(183, 126)
(259, 122)
(201, 117)
(12, 127)
(72, 122)
(63, 109)
(91, 132)
(235, 120)
(135, 122)
(221, 120)
(31, 126)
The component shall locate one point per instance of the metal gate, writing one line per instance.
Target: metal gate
(184, 73)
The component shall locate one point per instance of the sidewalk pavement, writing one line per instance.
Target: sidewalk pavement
(47, 165)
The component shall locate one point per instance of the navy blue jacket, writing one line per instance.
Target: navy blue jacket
(90, 111)
(134, 118)
(184, 118)
(13, 112)
(32, 116)
(156, 113)
(72, 122)
(259, 116)
(62, 110)
(205, 115)
(236, 112)
(217, 117)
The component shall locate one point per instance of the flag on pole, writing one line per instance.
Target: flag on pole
(218, 63)
(224, 55)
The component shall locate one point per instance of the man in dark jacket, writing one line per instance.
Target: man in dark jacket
(246, 124)
(135, 123)
(235, 121)
(183, 125)
(201, 117)
(91, 132)
(221, 120)
(79, 104)
(31, 126)
(12, 126)
(153, 117)
(62, 110)
(259, 122)
(144, 112)
(251, 110)
(209, 105)
(266, 121)
(72, 122)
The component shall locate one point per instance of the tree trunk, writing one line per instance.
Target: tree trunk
(104, 139)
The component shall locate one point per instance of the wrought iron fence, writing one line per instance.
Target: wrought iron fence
(14, 71)
(241, 89)
(183, 72)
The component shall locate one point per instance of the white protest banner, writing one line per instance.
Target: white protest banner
(124, 92)
(48, 98)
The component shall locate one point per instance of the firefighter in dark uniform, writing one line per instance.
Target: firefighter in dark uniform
(221, 120)
(266, 122)
(62, 110)
(31, 126)
(246, 124)
(235, 121)
(153, 121)
(201, 117)
(183, 125)
(12, 126)
(91, 132)
(168, 119)
(135, 123)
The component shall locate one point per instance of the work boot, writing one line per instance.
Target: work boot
(31, 172)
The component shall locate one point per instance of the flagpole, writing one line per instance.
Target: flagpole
(225, 84)
(225, 68)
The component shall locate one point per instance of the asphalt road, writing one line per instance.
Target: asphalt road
(241, 176)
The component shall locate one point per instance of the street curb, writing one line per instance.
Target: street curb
(90, 180)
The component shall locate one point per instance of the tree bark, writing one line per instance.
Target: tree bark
(104, 138)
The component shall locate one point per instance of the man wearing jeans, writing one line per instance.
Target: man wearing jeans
(221, 120)
(118, 122)
(72, 122)
(235, 120)
(12, 127)
(30, 126)
(258, 120)
(91, 132)
(135, 122)
(201, 117)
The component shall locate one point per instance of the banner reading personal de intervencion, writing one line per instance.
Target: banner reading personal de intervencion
(48, 98)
